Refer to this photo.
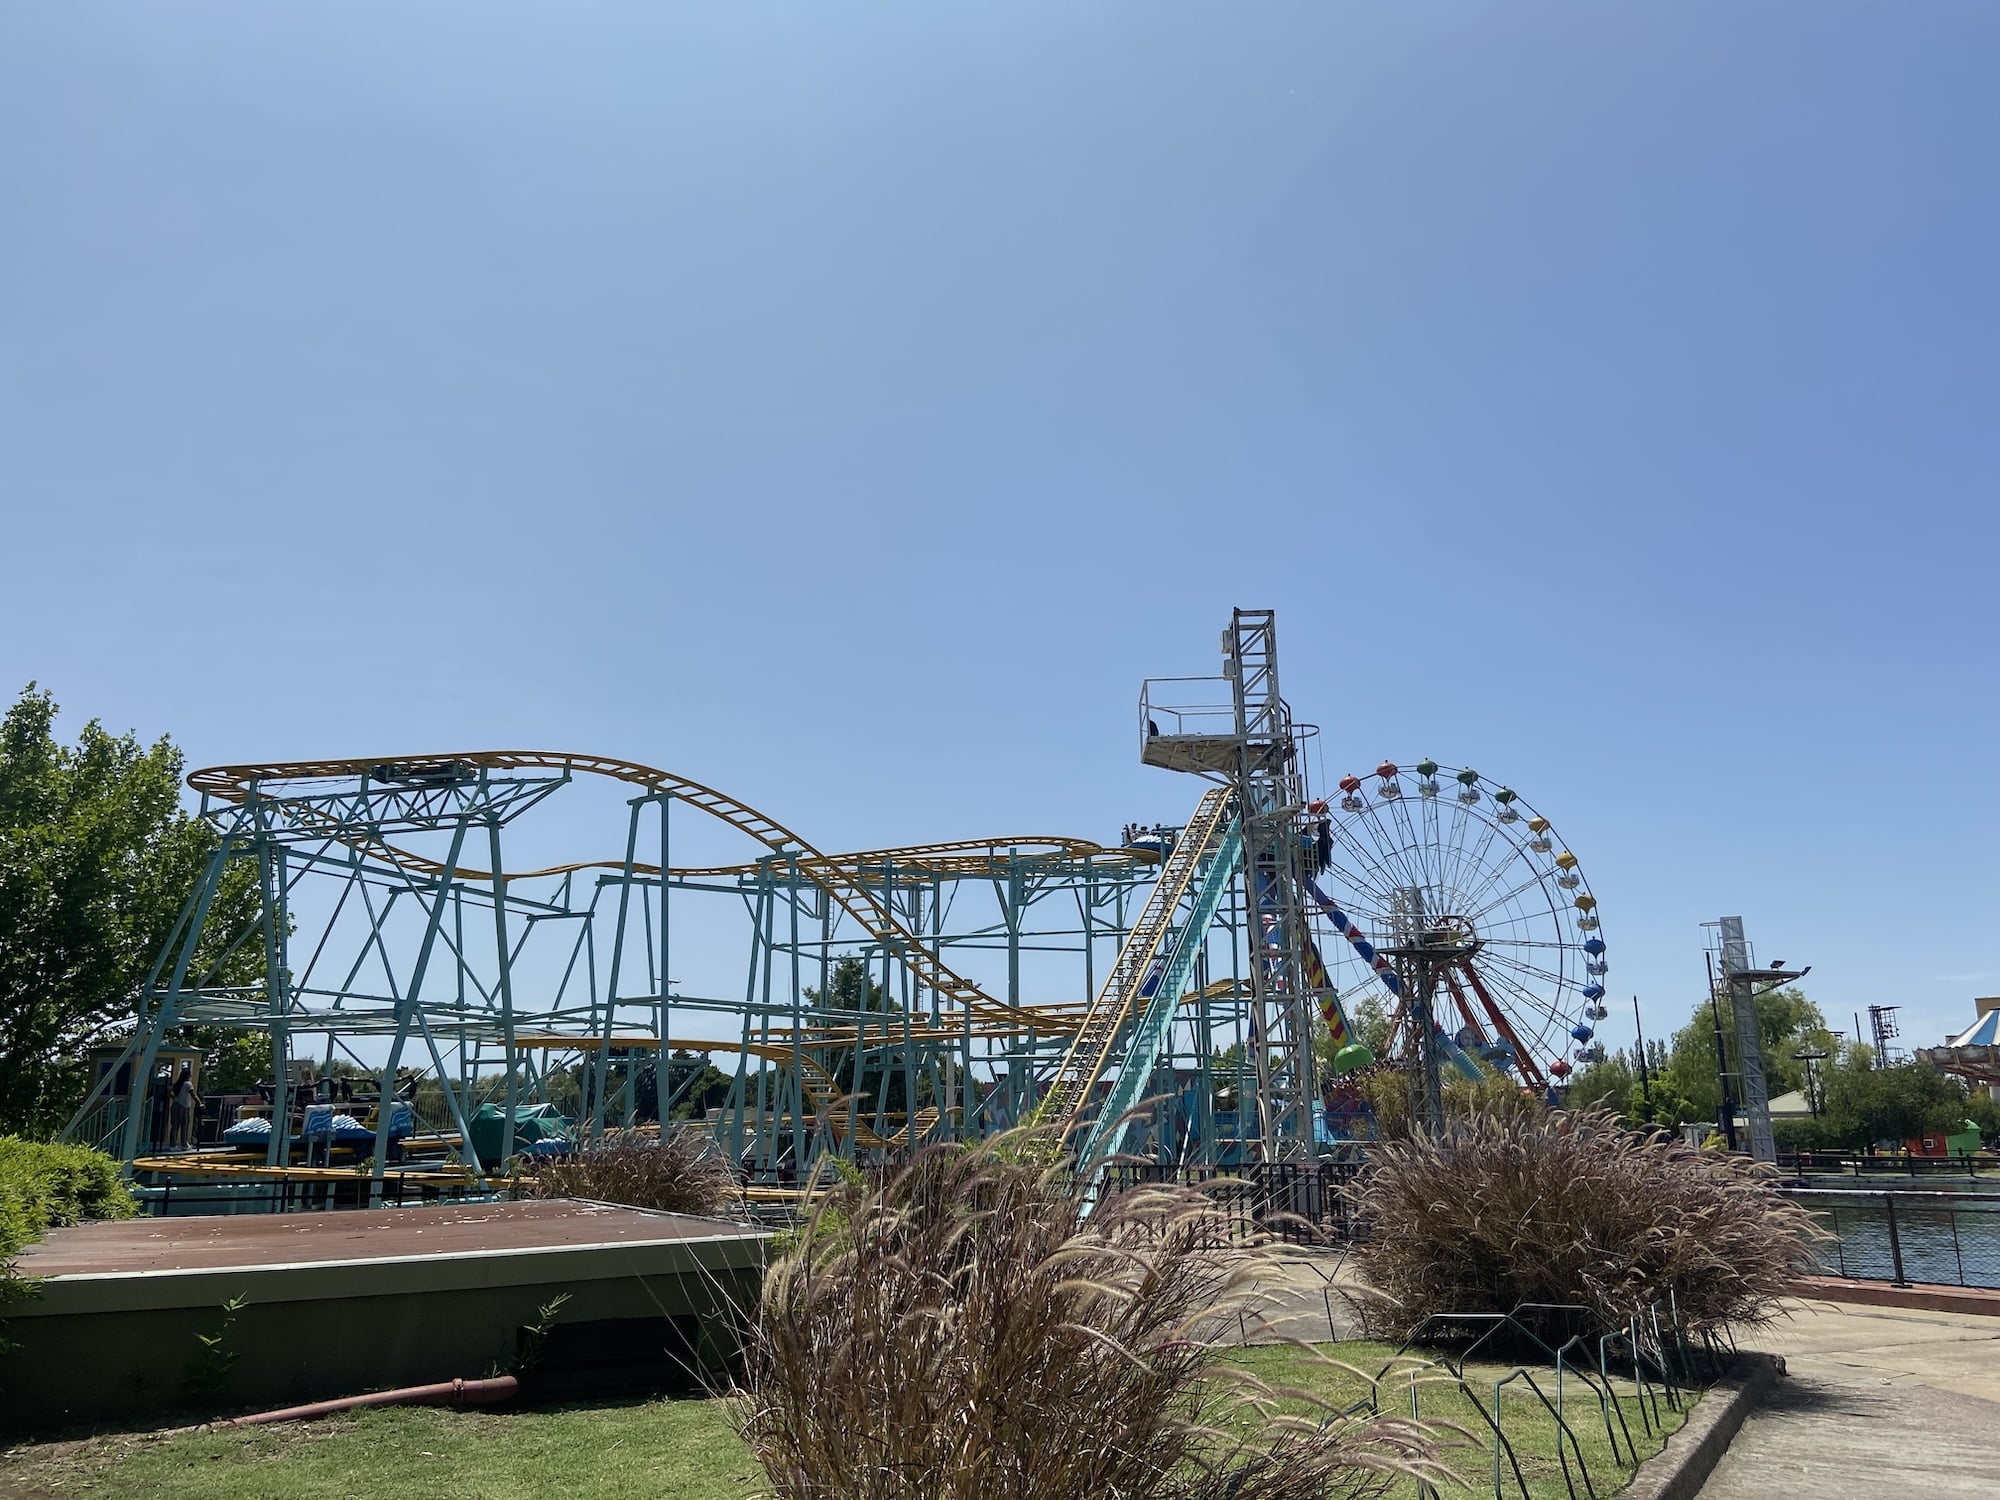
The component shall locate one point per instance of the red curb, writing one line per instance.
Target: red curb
(1923, 1297)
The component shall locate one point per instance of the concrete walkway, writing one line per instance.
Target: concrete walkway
(1880, 1404)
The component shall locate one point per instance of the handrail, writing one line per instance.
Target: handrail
(1883, 1192)
(1124, 987)
(1114, 1116)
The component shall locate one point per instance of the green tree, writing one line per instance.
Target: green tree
(694, 1084)
(1686, 1087)
(1870, 1106)
(1984, 1111)
(97, 857)
(1372, 1022)
(1612, 1083)
(879, 1074)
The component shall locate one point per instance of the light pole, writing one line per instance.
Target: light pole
(1809, 1057)
(1645, 1078)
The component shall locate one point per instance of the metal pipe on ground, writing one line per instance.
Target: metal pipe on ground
(443, 1393)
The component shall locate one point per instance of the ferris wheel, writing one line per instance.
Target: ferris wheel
(1439, 862)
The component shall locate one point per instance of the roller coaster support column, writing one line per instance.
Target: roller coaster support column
(506, 977)
(796, 1095)
(276, 925)
(385, 1112)
(630, 876)
(154, 1027)
(592, 1126)
(662, 984)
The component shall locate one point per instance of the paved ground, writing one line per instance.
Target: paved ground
(1880, 1403)
(1306, 1296)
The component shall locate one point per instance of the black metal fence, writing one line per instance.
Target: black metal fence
(170, 1199)
(1301, 1202)
(1900, 1164)
(1942, 1238)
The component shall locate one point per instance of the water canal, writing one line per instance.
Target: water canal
(1948, 1238)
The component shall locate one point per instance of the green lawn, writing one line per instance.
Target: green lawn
(666, 1450)
(1531, 1429)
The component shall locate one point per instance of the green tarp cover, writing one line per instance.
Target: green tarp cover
(532, 1122)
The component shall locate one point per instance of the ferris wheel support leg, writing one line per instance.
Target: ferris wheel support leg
(1531, 1072)
(1420, 990)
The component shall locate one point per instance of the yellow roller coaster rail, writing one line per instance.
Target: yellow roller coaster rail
(838, 876)
(1123, 994)
(960, 859)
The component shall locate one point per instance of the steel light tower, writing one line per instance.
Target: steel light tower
(1741, 978)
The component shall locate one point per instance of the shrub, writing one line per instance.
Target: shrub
(1391, 1101)
(1806, 1135)
(960, 1331)
(44, 1186)
(1574, 1208)
(678, 1172)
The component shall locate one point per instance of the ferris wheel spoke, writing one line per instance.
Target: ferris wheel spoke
(1528, 926)
(1413, 841)
(1529, 1011)
(1534, 879)
(1534, 970)
(1346, 833)
(1391, 846)
(1495, 871)
(1550, 1031)
(1451, 855)
(1347, 837)
(1474, 874)
(1430, 822)
(1522, 942)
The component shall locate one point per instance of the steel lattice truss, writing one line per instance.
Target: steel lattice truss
(880, 999)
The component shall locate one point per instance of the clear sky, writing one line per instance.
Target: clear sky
(849, 405)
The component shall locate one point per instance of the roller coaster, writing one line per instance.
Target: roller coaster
(1162, 996)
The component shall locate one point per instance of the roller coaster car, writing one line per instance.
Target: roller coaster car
(421, 773)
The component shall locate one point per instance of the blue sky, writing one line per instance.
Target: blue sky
(850, 405)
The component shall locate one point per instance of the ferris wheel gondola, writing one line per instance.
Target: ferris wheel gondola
(1441, 861)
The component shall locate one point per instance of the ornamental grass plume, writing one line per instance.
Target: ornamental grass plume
(961, 1330)
(678, 1172)
(1502, 1210)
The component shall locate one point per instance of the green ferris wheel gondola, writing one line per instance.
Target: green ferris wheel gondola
(1353, 1056)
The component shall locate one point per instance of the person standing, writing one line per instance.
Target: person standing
(159, 1107)
(181, 1133)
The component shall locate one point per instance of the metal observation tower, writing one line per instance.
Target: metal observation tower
(1159, 997)
(1241, 849)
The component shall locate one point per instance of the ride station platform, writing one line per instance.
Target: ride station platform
(336, 1304)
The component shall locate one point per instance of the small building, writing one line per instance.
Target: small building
(1791, 1106)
